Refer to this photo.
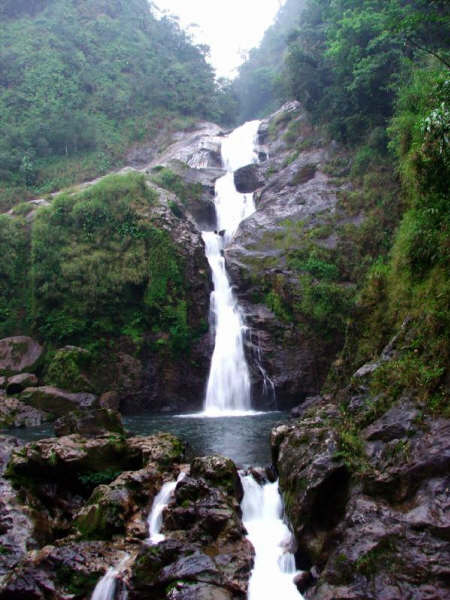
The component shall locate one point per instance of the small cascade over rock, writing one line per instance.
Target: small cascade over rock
(274, 569)
(228, 389)
(106, 588)
(160, 502)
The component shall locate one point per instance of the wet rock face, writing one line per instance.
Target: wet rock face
(368, 502)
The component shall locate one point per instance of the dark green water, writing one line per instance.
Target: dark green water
(244, 439)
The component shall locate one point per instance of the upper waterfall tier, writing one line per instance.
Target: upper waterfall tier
(228, 386)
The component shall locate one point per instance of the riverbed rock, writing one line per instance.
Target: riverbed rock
(18, 354)
(56, 401)
(67, 570)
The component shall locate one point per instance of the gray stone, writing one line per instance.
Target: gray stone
(17, 383)
(18, 354)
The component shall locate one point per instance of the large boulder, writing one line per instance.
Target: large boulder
(56, 401)
(205, 553)
(17, 354)
(248, 179)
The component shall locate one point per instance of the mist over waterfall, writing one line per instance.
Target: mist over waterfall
(228, 389)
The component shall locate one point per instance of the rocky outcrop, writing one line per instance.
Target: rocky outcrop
(368, 498)
(17, 383)
(18, 354)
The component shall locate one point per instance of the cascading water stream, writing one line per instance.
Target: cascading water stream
(160, 502)
(228, 389)
(274, 568)
(106, 588)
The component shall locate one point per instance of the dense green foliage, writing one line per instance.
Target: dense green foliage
(81, 80)
(343, 59)
(96, 269)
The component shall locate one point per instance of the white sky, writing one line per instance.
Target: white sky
(229, 27)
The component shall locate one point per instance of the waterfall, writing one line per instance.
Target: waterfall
(274, 568)
(160, 502)
(106, 586)
(228, 388)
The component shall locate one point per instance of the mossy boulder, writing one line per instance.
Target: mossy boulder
(89, 423)
(163, 449)
(14, 413)
(71, 368)
(118, 507)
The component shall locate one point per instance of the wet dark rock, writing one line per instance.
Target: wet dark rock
(248, 179)
(89, 423)
(57, 402)
(18, 383)
(110, 401)
(18, 354)
(218, 471)
(299, 410)
(58, 475)
(67, 570)
(117, 508)
(303, 580)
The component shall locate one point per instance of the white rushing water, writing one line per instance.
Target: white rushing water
(106, 586)
(160, 502)
(228, 389)
(274, 568)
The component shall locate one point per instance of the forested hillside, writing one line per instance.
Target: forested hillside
(80, 81)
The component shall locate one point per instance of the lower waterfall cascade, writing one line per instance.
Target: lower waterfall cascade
(106, 588)
(228, 389)
(274, 569)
